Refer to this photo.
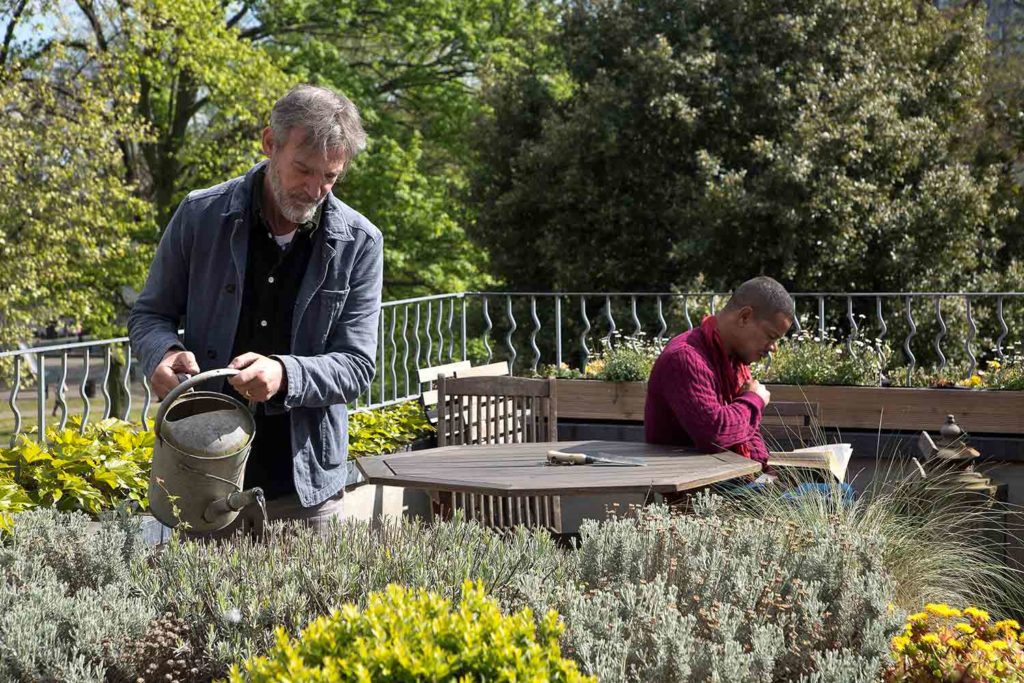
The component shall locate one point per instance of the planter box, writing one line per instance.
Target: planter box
(591, 399)
(979, 412)
(368, 503)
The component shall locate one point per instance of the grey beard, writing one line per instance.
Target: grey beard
(285, 205)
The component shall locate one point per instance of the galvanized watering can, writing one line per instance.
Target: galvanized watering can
(203, 439)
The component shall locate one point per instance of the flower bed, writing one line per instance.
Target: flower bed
(744, 589)
(980, 412)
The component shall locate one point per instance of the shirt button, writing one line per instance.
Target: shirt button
(263, 323)
(211, 354)
(270, 279)
(230, 289)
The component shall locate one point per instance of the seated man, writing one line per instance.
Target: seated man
(701, 393)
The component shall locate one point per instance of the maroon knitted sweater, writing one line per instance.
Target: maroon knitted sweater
(687, 405)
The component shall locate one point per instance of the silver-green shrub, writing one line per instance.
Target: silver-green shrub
(669, 597)
(67, 596)
(236, 592)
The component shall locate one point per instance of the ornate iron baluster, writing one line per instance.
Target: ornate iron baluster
(583, 334)
(508, 337)
(533, 333)
(661, 321)
(972, 331)
(911, 360)
(941, 334)
(85, 396)
(125, 381)
(12, 400)
(487, 330)
(61, 397)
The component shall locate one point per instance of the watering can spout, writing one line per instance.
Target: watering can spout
(233, 503)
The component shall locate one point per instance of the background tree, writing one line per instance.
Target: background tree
(68, 221)
(192, 83)
(825, 142)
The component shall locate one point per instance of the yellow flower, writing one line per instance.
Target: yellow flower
(999, 645)
(931, 639)
(976, 614)
(917, 617)
(994, 365)
(974, 381)
(941, 610)
(954, 643)
(979, 644)
(899, 643)
(964, 628)
(1007, 625)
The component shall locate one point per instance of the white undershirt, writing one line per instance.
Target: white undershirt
(284, 240)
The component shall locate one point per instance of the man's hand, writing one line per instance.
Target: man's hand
(260, 377)
(758, 388)
(175, 362)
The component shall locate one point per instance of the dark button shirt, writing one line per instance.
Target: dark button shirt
(272, 279)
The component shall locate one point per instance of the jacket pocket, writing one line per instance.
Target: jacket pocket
(330, 303)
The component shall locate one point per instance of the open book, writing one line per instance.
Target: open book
(834, 457)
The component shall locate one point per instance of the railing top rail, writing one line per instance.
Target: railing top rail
(597, 293)
(431, 297)
(62, 347)
(706, 293)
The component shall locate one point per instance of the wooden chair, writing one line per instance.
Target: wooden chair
(496, 410)
(791, 424)
(428, 376)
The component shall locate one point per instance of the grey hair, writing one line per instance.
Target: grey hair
(330, 119)
(765, 296)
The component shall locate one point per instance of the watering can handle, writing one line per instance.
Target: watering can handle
(177, 391)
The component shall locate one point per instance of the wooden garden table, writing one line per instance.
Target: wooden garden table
(521, 469)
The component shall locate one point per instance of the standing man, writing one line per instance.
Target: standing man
(701, 393)
(279, 279)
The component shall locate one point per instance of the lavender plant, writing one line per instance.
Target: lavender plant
(67, 595)
(669, 597)
(234, 594)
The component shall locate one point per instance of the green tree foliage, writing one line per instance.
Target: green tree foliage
(164, 97)
(825, 142)
(68, 221)
(413, 67)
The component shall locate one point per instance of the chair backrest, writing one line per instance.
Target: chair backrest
(429, 375)
(481, 410)
(499, 369)
(791, 424)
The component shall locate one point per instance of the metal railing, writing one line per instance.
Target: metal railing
(529, 329)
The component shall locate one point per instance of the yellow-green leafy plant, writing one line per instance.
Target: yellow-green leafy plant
(415, 635)
(386, 430)
(942, 643)
(93, 470)
(13, 499)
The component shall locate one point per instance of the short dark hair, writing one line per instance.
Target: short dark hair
(765, 296)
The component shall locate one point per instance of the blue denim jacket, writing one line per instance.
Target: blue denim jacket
(198, 273)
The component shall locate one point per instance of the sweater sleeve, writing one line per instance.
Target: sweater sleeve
(711, 423)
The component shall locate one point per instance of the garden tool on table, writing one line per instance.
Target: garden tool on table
(203, 439)
(564, 458)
